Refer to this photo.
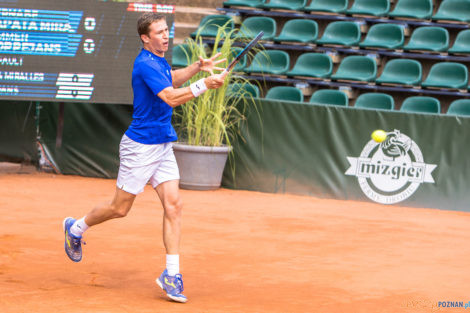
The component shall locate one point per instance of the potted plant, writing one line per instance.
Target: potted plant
(206, 124)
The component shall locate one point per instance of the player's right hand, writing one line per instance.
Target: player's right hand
(215, 81)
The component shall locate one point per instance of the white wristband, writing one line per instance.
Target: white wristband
(198, 88)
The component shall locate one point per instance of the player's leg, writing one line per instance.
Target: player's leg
(119, 207)
(171, 281)
(74, 229)
(135, 169)
(168, 192)
(166, 184)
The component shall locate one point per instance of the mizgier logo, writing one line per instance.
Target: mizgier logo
(391, 171)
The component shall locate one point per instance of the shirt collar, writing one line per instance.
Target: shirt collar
(151, 54)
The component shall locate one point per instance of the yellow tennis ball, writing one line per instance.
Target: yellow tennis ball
(379, 135)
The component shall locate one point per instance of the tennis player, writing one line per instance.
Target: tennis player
(145, 151)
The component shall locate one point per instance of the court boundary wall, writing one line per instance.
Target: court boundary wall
(284, 147)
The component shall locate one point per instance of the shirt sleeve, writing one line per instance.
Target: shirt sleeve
(155, 78)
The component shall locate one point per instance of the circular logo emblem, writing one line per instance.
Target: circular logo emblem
(390, 171)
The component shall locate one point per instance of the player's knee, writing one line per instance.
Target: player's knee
(173, 208)
(119, 211)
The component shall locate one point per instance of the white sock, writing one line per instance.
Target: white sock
(173, 264)
(79, 227)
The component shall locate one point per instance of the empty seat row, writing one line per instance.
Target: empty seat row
(373, 100)
(420, 104)
(449, 10)
(403, 72)
(332, 97)
(406, 72)
(345, 33)
(288, 93)
(391, 36)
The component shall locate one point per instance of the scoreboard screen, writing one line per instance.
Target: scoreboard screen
(71, 50)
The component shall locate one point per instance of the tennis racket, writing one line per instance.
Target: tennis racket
(245, 50)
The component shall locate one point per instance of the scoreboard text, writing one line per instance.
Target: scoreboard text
(71, 50)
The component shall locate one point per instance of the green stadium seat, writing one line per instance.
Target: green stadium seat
(298, 30)
(418, 9)
(331, 6)
(251, 26)
(459, 107)
(429, 38)
(312, 64)
(420, 104)
(454, 10)
(356, 68)
(247, 89)
(375, 100)
(461, 43)
(385, 35)
(329, 97)
(285, 93)
(370, 7)
(341, 33)
(244, 3)
(447, 75)
(181, 55)
(274, 62)
(401, 71)
(210, 24)
(285, 4)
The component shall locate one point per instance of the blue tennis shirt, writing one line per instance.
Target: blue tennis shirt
(151, 119)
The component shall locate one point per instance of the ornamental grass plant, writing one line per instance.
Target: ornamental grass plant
(212, 119)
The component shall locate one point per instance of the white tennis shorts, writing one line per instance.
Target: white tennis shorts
(141, 163)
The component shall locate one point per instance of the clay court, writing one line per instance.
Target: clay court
(241, 252)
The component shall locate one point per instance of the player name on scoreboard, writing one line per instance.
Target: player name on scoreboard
(39, 32)
(36, 26)
(46, 85)
(13, 12)
(21, 76)
(6, 61)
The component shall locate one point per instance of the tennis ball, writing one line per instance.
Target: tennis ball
(379, 135)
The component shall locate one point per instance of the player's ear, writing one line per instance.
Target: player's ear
(145, 38)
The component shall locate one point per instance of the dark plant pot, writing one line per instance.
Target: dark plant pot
(200, 167)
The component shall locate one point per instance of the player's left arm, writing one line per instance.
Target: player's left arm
(180, 76)
(177, 96)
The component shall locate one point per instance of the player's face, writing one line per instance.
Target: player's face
(157, 39)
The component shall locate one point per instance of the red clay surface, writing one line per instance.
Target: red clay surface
(241, 252)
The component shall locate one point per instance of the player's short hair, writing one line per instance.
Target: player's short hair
(145, 20)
